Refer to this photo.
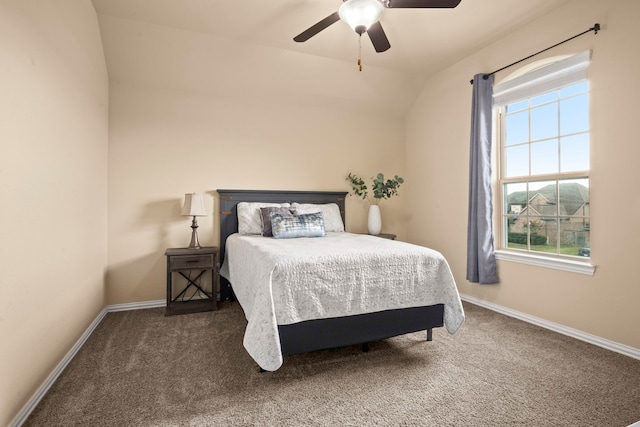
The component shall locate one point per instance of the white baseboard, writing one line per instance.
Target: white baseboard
(22, 416)
(136, 305)
(574, 333)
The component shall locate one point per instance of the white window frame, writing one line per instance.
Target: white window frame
(540, 79)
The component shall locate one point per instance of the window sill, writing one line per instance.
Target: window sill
(548, 262)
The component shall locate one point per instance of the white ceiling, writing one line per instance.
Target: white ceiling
(422, 40)
(253, 33)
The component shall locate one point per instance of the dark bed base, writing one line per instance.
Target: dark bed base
(323, 334)
(358, 329)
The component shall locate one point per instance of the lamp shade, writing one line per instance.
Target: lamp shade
(361, 14)
(193, 205)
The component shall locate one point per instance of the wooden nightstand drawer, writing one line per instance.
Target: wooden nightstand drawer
(188, 262)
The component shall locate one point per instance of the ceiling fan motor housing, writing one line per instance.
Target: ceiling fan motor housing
(361, 14)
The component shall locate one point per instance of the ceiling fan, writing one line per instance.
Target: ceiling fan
(363, 16)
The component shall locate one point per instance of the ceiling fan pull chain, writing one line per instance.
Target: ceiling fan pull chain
(360, 52)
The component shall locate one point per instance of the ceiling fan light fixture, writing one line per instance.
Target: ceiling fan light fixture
(361, 14)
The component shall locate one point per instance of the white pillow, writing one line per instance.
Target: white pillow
(249, 218)
(330, 211)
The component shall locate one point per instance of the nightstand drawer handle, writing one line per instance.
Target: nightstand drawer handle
(191, 261)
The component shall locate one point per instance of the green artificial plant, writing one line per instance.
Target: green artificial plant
(381, 189)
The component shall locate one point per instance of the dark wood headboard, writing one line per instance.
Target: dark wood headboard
(229, 200)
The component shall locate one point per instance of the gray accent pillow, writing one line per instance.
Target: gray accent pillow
(290, 226)
(265, 214)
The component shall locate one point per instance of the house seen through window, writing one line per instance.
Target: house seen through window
(544, 164)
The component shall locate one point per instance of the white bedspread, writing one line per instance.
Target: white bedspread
(284, 281)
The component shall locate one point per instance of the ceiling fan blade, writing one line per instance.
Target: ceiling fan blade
(378, 37)
(435, 4)
(315, 29)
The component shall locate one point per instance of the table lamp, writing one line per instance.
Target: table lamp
(193, 206)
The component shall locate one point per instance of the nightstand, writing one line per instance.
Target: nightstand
(192, 266)
(385, 236)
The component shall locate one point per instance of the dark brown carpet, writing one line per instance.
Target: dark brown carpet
(140, 368)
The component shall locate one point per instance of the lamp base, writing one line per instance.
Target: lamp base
(194, 244)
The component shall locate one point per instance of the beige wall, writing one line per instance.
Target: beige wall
(53, 188)
(437, 139)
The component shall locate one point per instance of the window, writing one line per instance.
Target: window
(543, 168)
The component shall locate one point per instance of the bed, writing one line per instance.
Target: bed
(262, 273)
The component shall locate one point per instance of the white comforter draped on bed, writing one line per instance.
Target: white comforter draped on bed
(284, 281)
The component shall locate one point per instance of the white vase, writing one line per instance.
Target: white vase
(374, 223)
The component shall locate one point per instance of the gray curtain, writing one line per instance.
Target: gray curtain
(481, 258)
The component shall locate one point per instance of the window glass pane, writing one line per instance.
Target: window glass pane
(515, 198)
(517, 106)
(517, 128)
(574, 89)
(574, 114)
(515, 203)
(544, 157)
(543, 99)
(575, 236)
(574, 197)
(516, 235)
(517, 161)
(574, 220)
(544, 122)
(574, 153)
(582, 243)
(542, 234)
(543, 198)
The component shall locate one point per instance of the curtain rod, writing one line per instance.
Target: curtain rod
(595, 29)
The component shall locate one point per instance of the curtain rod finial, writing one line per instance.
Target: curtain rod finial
(484, 77)
(596, 28)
